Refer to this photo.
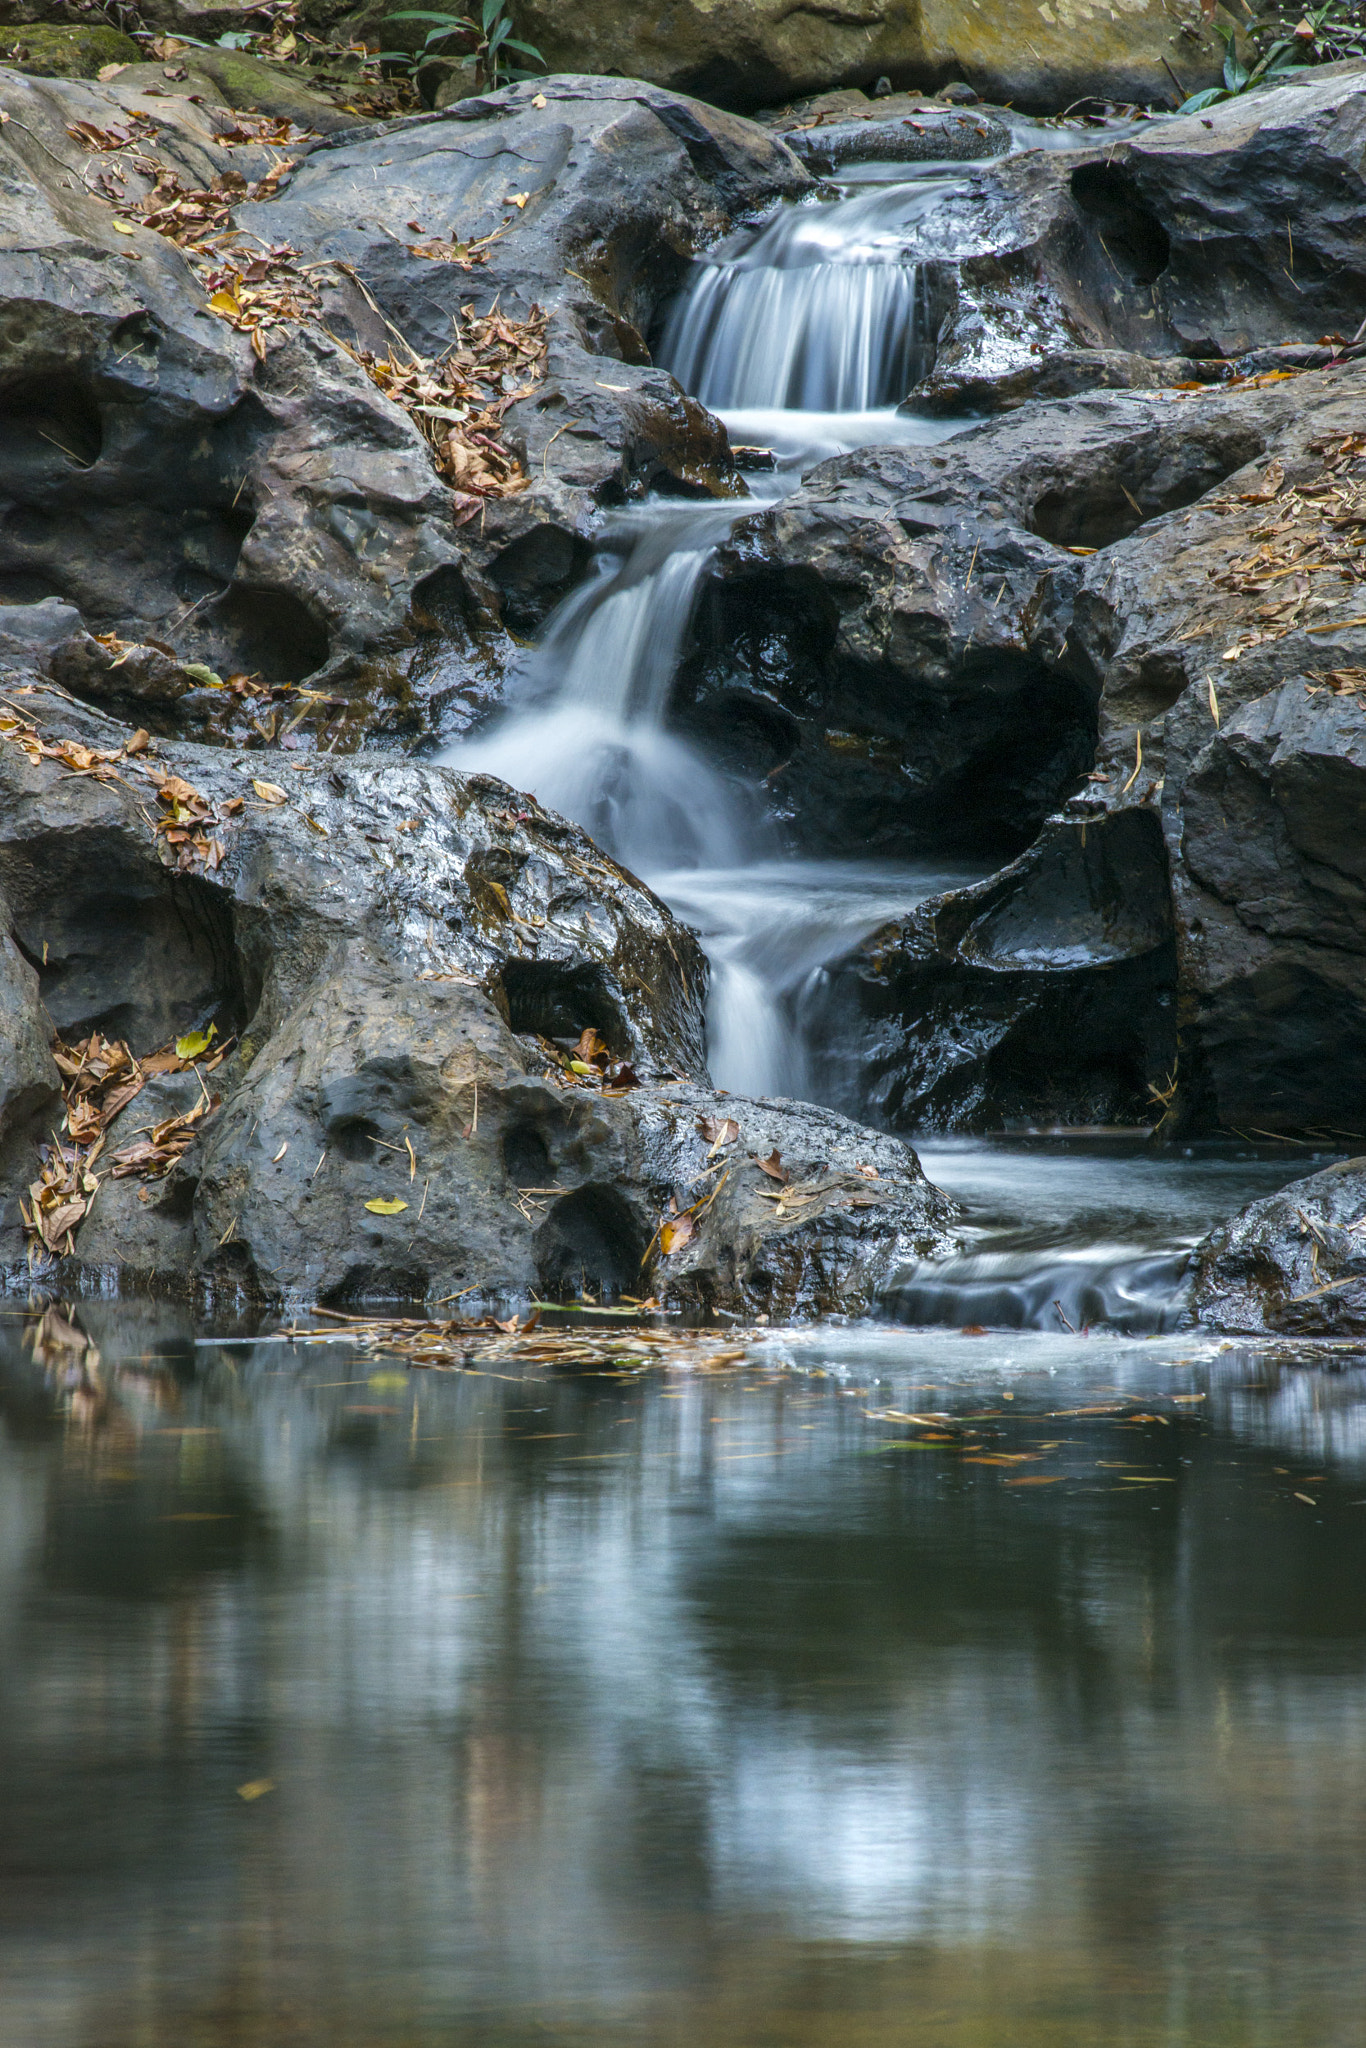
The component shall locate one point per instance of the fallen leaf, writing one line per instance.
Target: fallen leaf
(108, 71)
(256, 1788)
(269, 792)
(385, 1206)
(673, 1235)
(281, 1153)
(195, 1042)
(773, 1166)
(123, 227)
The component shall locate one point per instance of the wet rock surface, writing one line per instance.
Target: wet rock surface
(1186, 243)
(268, 510)
(396, 957)
(1044, 996)
(1292, 1265)
(943, 635)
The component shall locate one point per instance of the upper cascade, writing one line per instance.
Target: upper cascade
(818, 310)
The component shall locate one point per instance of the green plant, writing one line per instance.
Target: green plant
(487, 40)
(1321, 35)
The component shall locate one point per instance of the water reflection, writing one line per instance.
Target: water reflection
(734, 1710)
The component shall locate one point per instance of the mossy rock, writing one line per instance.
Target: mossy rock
(267, 88)
(46, 51)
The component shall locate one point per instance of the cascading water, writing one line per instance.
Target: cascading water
(802, 334)
(818, 310)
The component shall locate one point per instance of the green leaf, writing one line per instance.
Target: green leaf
(202, 673)
(1198, 101)
(527, 49)
(236, 39)
(426, 14)
(194, 1043)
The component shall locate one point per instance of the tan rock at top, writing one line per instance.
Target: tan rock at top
(1038, 54)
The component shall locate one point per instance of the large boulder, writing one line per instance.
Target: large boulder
(1293, 1264)
(239, 489)
(1181, 244)
(750, 53)
(402, 963)
(923, 651)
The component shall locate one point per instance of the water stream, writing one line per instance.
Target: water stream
(803, 333)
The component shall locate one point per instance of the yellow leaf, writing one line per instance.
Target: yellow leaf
(256, 1788)
(580, 1067)
(123, 227)
(388, 1382)
(269, 792)
(221, 302)
(385, 1206)
(194, 1043)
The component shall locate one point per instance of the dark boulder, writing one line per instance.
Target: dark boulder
(1291, 1265)
(271, 512)
(1045, 995)
(1200, 238)
(402, 960)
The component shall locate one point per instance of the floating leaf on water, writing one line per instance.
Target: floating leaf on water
(385, 1205)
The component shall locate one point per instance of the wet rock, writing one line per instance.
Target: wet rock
(746, 53)
(396, 953)
(1045, 995)
(618, 186)
(887, 652)
(275, 514)
(854, 1210)
(1204, 237)
(1293, 1264)
(29, 1080)
(925, 135)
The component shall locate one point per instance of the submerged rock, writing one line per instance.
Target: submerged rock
(397, 958)
(1291, 1265)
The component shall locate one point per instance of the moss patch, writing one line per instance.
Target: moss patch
(46, 51)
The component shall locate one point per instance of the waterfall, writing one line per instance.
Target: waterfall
(821, 309)
(805, 332)
(585, 731)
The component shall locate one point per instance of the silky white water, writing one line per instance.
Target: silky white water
(802, 334)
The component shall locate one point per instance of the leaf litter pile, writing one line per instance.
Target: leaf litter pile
(457, 401)
(1309, 536)
(185, 824)
(100, 1077)
(452, 1345)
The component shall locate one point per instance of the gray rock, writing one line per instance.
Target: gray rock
(29, 1081)
(1045, 995)
(280, 517)
(1293, 1264)
(30, 633)
(1204, 237)
(923, 136)
(393, 950)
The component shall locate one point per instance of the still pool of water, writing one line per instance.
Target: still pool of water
(893, 1687)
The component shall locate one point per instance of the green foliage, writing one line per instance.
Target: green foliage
(489, 40)
(1285, 52)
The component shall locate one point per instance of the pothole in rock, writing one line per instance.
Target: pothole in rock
(591, 1241)
(1130, 233)
(1115, 497)
(557, 999)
